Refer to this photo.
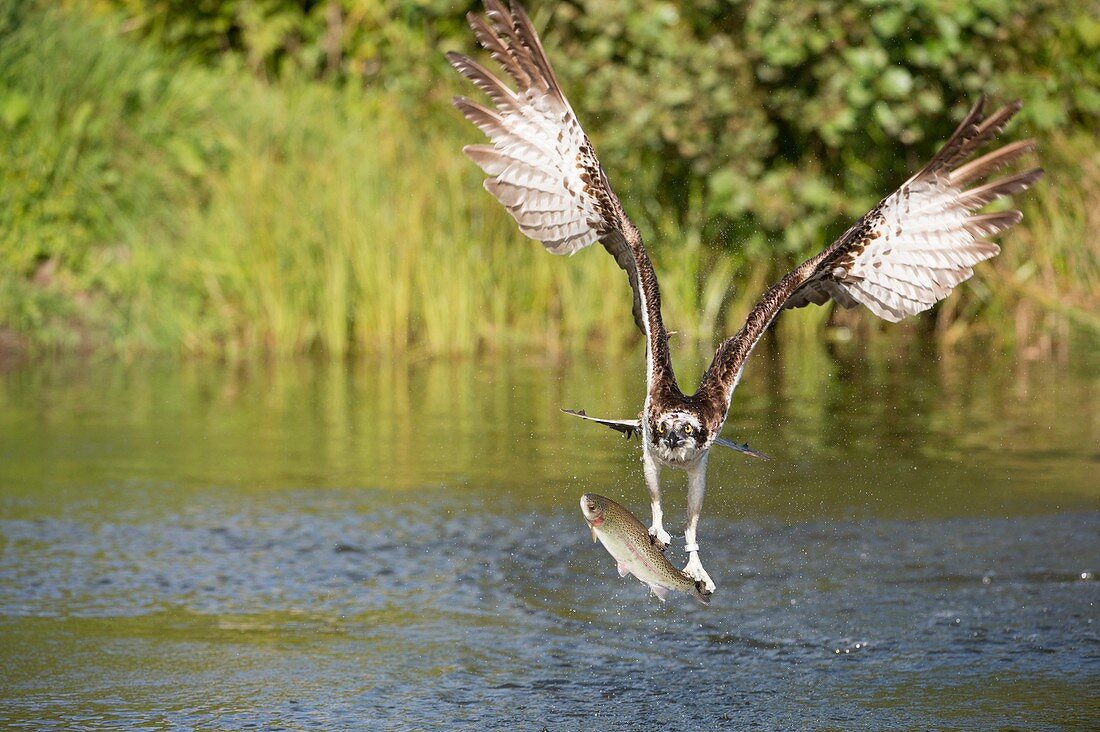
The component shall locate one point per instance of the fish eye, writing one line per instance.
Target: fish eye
(687, 429)
(591, 506)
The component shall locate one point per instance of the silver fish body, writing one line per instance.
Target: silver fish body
(628, 541)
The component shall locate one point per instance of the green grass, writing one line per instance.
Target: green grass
(1047, 280)
(148, 205)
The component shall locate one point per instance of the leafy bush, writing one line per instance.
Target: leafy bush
(795, 115)
(790, 116)
(383, 42)
(151, 202)
(100, 135)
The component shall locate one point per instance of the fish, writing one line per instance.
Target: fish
(628, 541)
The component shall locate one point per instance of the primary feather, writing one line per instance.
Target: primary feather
(908, 252)
(541, 165)
(911, 250)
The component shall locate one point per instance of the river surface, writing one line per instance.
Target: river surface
(398, 546)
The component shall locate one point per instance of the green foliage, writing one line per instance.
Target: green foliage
(1048, 275)
(98, 133)
(790, 116)
(336, 39)
(796, 116)
(149, 202)
(336, 230)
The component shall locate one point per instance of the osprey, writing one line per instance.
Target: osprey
(902, 257)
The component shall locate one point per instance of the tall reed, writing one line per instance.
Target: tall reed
(339, 226)
(205, 212)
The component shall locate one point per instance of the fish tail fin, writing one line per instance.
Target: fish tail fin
(701, 593)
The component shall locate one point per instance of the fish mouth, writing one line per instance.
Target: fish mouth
(593, 514)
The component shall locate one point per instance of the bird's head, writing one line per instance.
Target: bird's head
(678, 435)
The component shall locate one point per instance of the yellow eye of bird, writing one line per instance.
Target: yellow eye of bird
(687, 429)
(660, 429)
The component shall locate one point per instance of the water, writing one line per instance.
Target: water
(316, 546)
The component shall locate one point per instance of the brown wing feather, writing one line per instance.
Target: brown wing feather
(543, 168)
(908, 252)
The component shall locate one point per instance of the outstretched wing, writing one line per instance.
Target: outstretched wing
(742, 447)
(629, 427)
(908, 252)
(542, 166)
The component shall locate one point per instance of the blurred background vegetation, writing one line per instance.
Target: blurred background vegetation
(283, 177)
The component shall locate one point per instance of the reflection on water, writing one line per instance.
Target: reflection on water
(314, 545)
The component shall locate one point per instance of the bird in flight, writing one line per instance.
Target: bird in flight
(903, 256)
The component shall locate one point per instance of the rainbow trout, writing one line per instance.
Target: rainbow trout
(628, 541)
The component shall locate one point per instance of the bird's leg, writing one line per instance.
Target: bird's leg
(697, 486)
(653, 479)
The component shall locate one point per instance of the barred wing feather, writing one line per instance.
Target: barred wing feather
(912, 249)
(909, 251)
(541, 165)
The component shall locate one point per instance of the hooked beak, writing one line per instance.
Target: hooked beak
(674, 439)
